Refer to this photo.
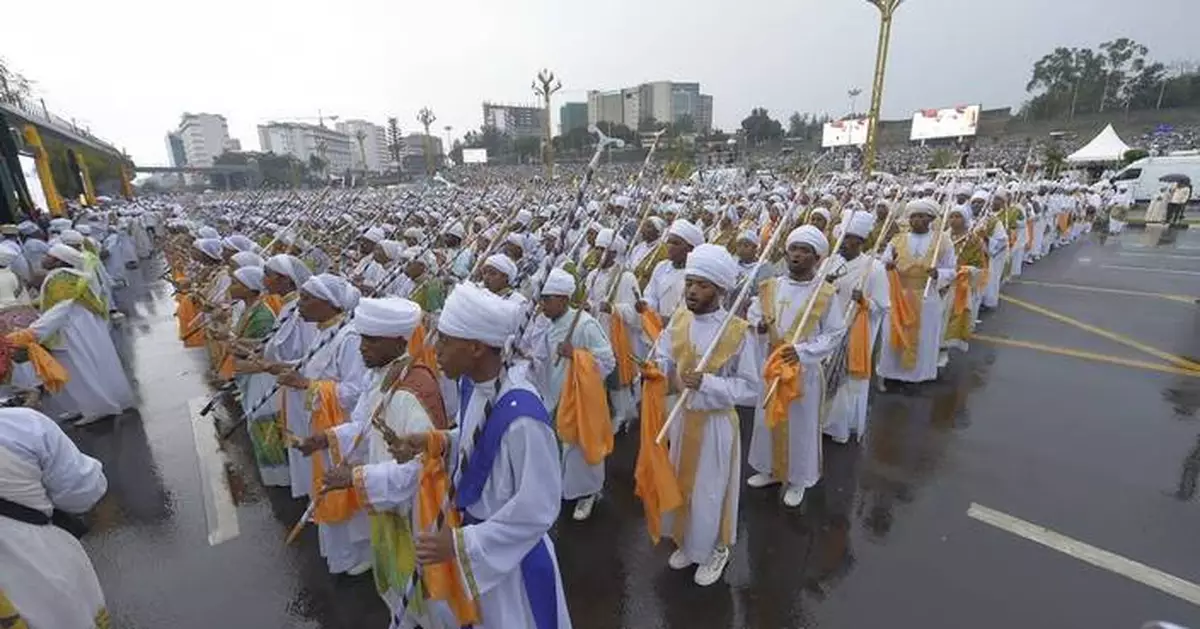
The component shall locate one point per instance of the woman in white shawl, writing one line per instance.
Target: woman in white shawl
(47, 579)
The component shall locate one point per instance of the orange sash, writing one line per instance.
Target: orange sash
(52, 374)
(582, 416)
(904, 316)
(654, 477)
(791, 386)
(187, 311)
(652, 325)
(341, 504)
(858, 356)
(422, 354)
(442, 580)
(962, 290)
(623, 349)
(1028, 235)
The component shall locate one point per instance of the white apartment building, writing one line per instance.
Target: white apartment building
(302, 141)
(664, 101)
(369, 141)
(199, 139)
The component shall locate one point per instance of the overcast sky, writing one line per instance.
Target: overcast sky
(255, 60)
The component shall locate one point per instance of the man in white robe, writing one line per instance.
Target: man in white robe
(602, 283)
(74, 326)
(776, 313)
(911, 253)
(709, 529)
(550, 350)
(45, 574)
(861, 280)
(664, 292)
(498, 274)
(499, 454)
(997, 248)
(326, 301)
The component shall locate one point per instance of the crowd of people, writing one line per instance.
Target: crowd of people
(436, 370)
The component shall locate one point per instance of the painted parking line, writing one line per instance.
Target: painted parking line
(1184, 299)
(1178, 361)
(1098, 557)
(1085, 355)
(1148, 269)
(219, 510)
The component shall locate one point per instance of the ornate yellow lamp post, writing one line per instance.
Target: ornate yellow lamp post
(545, 86)
(887, 8)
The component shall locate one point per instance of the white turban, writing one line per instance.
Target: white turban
(859, 224)
(811, 236)
(422, 255)
(713, 263)
(70, 255)
(211, 247)
(516, 239)
(659, 224)
(391, 248)
(414, 233)
(822, 212)
(921, 206)
(71, 237)
(503, 264)
(390, 317)
(980, 195)
(456, 229)
(59, 224)
(239, 242)
(86, 230)
(964, 212)
(559, 282)
(333, 289)
(608, 239)
(748, 235)
(374, 234)
(478, 314)
(208, 232)
(621, 201)
(291, 266)
(687, 231)
(247, 258)
(251, 277)
(523, 217)
(27, 228)
(7, 255)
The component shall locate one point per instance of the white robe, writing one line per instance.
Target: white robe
(997, 246)
(664, 292)
(579, 478)
(736, 383)
(804, 429)
(1017, 254)
(600, 283)
(848, 414)
(346, 544)
(890, 359)
(44, 570)
(97, 385)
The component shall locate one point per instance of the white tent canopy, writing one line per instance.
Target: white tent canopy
(1107, 146)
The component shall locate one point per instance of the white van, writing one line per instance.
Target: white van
(1143, 174)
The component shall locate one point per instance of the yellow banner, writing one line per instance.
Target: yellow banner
(34, 141)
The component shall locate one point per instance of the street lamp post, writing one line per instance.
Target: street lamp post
(887, 8)
(447, 129)
(426, 118)
(545, 85)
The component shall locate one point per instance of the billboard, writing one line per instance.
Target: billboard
(849, 132)
(33, 182)
(953, 122)
(475, 156)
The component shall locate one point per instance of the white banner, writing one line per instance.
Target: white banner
(33, 182)
(850, 132)
(953, 122)
(475, 156)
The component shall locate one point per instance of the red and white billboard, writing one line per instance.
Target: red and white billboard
(849, 132)
(952, 122)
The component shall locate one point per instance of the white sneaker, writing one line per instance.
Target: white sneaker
(793, 496)
(679, 560)
(583, 508)
(361, 568)
(758, 481)
(710, 572)
(943, 359)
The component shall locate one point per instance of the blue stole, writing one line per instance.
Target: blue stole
(537, 568)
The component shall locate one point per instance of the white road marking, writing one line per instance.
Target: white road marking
(1098, 557)
(219, 510)
(1120, 267)
(1130, 254)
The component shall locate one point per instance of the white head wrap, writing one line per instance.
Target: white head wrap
(921, 206)
(59, 224)
(67, 254)
(211, 247)
(247, 258)
(823, 213)
(687, 231)
(523, 217)
(84, 229)
(7, 255)
(424, 256)
(811, 236)
(503, 264)
(390, 317)
(208, 232)
(251, 277)
(713, 263)
(859, 224)
(374, 234)
(291, 266)
(659, 224)
(749, 235)
(239, 242)
(963, 211)
(27, 228)
(559, 282)
(980, 195)
(608, 239)
(391, 249)
(516, 239)
(478, 314)
(333, 289)
(456, 229)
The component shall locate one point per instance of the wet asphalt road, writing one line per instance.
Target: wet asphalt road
(1104, 453)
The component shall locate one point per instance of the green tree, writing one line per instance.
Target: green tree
(1123, 59)
(619, 131)
(527, 147)
(760, 127)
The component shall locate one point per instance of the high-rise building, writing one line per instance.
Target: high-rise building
(518, 121)
(572, 116)
(412, 154)
(303, 141)
(662, 101)
(368, 141)
(200, 138)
